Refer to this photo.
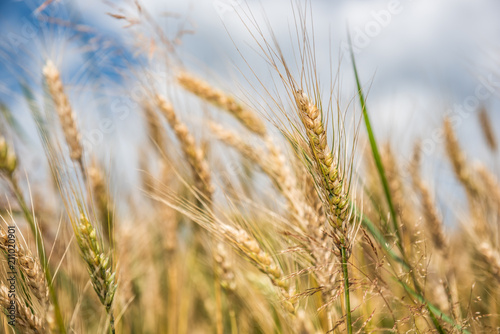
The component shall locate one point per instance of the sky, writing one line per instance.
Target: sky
(418, 59)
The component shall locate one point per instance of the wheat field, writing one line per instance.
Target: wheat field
(272, 209)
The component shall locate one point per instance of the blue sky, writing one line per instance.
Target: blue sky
(418, 59)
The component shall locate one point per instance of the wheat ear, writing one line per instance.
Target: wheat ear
(8, 159)
(433, 220)
(193, 154)
(25, 320)
(102, 198)
(154, 127)
(218, 98)
(330, 177)
(30, 267)
(491, 257)
(335, 198)
(459, 160)
(64, 111)
(265, 263)
(99, 264)
(489, 134)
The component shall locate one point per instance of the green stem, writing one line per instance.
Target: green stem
(111, 323)
(41, 253)
(347, 299)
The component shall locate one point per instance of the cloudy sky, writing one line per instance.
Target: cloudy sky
(417, 58)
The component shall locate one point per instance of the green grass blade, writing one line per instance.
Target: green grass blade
(374, 147)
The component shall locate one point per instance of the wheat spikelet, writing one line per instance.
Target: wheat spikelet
(218, 98)
(489, 134)
(25, 320)
(64, 111)
(193, 154)
(329, 176)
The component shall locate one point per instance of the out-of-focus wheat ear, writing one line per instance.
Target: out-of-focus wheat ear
(397, 191)
(491, 259)
(102, 198)
(220, 99)
(25, 320)
(459, 160)
(250, 247)
(193, 154)
(64, 111)
(31, 269)
(434, 223)
(8, 159)
(224, 270)
(490, 186)
(303, 323)
(488, 132)
(154, 127)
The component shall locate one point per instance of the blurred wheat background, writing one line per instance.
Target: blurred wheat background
(225, 166)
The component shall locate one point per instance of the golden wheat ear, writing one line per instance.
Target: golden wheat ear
(65, 112)
(220, 99)
(488, 132)
(193, 154)
(26, 321)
